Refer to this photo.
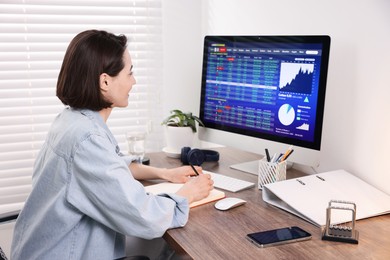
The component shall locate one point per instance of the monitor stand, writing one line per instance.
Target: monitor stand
(251, 167)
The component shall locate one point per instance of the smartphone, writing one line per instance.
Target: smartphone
(278, 236)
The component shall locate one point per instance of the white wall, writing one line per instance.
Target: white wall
(182, 38)
(356, 134)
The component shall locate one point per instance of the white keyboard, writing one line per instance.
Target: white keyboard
(228, 183)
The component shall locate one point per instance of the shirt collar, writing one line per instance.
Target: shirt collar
(96, 117)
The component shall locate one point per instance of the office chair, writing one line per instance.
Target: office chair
(2, 255)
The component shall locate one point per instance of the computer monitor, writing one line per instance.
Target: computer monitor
(263, 92)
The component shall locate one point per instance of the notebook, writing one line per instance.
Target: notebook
(168, 187)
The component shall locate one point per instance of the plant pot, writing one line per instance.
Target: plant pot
(178, 137)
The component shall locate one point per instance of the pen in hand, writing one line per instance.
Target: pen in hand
(196, 172)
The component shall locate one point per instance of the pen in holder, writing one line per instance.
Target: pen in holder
(270, 172)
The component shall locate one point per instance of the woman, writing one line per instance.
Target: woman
(85, 195)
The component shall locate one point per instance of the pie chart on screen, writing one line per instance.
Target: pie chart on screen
(286, 114)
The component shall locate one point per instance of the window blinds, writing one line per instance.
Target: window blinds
(34, 36)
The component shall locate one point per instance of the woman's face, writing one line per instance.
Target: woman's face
(118, 87)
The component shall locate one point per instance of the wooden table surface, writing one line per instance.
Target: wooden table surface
(213, 234)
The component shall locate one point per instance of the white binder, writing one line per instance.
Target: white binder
(309, 196)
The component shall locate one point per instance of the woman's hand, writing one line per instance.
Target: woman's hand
(177, 175)
(196, 188)
(181, 174)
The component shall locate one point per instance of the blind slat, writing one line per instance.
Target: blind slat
(34, 37)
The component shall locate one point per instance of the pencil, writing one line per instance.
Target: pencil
(285, 158)
(286, 153)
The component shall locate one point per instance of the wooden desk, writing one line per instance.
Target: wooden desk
(213, 234)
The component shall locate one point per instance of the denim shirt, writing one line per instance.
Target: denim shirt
(84, 198)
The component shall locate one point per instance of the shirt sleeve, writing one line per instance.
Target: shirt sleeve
(127, 158)
(102, 187)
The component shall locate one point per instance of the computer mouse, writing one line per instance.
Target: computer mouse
(228, 203)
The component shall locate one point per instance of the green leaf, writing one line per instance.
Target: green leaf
(180, 119)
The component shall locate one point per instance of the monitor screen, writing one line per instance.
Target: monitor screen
(265, 87)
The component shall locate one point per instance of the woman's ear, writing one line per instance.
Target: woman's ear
(104, 81)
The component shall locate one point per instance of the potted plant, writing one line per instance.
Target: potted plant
(181, 119)
(180, 130)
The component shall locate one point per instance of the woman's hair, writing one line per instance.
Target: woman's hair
(89, 54)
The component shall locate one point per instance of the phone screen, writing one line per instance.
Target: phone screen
(278, 236)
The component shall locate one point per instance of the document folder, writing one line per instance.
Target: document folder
(308, 197)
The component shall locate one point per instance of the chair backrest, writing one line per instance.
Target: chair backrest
(2, 255)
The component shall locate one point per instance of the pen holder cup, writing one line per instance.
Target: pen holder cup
(271, 172)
